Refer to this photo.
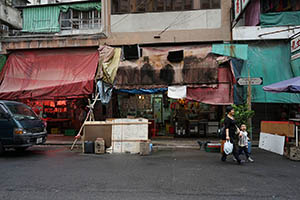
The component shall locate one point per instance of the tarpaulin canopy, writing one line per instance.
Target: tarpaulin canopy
(81, 6)
(46, 18)
(233, 50)
(272, 61)
(222, 95)
(41, 19)
(280, 19)
(289, 86)
(47, 74)
(109, 60)
(154, 70)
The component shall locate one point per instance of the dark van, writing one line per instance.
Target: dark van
(20, 127)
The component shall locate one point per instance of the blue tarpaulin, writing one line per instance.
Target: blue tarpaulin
(290, 86)
(144, 91)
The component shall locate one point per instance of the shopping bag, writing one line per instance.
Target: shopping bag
(228, 147)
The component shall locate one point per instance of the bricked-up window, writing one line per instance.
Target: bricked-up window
(74, 19)
(210, 4)
(141, 6)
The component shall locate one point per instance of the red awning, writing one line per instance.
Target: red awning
(47, 74)
(222, 95)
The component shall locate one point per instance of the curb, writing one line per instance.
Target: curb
(155, 146)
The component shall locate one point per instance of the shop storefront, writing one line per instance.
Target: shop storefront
(181, 90)
(170, 117)
(54, 83)
(201, 84)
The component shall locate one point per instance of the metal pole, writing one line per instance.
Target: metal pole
(297, 136)
(249, 101)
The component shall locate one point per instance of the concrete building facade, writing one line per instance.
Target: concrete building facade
(186, 21)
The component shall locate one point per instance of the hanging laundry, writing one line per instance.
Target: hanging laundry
(105, 92)
(177, 92)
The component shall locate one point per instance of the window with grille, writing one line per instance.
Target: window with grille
(138, 6)
(74, 19)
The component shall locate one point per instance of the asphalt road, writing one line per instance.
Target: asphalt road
(56, 173)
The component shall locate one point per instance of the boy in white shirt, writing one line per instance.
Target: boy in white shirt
(243, 142)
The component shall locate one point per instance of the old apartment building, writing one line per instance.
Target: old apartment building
(164, 43)
(50, 24)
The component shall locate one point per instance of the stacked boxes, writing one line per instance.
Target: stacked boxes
(127, 134)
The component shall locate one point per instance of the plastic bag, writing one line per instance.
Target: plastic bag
(228, 147)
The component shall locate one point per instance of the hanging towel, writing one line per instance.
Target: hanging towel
(177, 92)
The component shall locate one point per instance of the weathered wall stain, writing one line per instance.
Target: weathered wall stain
(166, 74)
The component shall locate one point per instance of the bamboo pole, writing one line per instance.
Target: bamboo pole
(89, 116)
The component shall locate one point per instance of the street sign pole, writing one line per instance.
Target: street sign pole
(249, 93)
(248, 81)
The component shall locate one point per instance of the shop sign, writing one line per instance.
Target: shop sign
(244, 4)
(296, 56)
(253, 81)
(237, 8)
(295, 44)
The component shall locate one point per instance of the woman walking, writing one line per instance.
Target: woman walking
(230, 130)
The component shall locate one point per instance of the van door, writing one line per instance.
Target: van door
(6, 127)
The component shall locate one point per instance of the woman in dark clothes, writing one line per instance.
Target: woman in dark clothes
(230, 129)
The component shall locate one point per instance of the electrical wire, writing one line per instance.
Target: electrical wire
(184, 20)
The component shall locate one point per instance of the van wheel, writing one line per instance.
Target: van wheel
(1, 149)
(21, 149)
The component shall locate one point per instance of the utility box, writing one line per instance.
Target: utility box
(99, 146)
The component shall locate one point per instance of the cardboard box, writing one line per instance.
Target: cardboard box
(130, 129)
(126, 147)
(96, 129)
(278, 128)
(124, 135)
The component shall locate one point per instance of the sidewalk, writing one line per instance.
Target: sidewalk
(158, 143)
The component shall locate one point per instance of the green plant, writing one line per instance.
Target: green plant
(242, 114)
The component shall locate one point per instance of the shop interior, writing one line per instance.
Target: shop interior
(172, 118)
(63, 117)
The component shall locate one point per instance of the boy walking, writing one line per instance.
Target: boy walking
(243, 142)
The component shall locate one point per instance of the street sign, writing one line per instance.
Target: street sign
(253, 81)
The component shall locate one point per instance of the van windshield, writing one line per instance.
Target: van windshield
(21, 111)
